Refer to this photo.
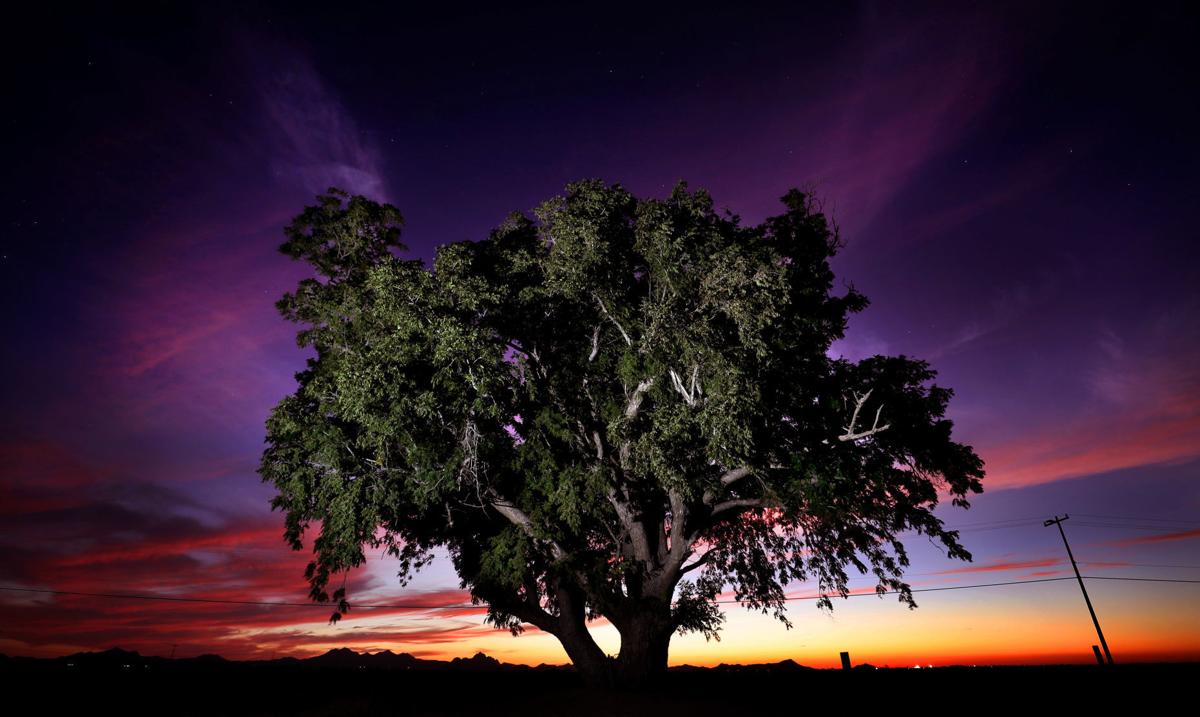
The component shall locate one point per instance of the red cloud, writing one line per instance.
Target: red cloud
(1159, 538)
(251, 536)
(1000, 567)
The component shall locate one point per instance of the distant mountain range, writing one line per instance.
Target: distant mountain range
(119, 659)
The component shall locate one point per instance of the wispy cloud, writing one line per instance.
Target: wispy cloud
(316, 141)
(1159, 538)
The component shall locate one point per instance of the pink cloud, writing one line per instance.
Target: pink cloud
(1159, 538)
(1001, 567)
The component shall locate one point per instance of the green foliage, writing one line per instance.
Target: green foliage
(590, 404)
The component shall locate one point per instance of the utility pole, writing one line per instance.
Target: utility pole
(1058, 521)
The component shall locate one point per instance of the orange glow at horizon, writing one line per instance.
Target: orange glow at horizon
(1041, 623)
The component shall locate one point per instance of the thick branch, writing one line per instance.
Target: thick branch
(535, 615)
(517, 517)
(680, 545)
(632, 528)
(738, 504)
(679, 516)
(635, 400)
(700, 561)
(727, 479)
(735, 475)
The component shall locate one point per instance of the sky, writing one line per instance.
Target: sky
(1015, 185)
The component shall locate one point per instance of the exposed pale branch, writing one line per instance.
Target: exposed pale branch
(595, 344)
(850, 435)
(692, 392)
(628, 341)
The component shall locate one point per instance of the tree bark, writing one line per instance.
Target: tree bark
(646, 631)
(589, 660)
(593, 666)
(645, 640)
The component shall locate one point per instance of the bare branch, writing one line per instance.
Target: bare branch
(691, 394)
(850, 435)
(628, 341)
(595, 344)
(678, 386)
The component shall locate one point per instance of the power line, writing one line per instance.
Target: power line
(987, 525)
(977, 524)
(920, 590)
(996, 527)
(1099, 563)
(987, 585)
(483, 606)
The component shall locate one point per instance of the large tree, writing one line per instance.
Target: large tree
(617, 407)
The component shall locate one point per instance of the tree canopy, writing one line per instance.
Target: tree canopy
(615, 407)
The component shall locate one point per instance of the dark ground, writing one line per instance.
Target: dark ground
(348, 684)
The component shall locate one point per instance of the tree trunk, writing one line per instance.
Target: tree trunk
(645, 626)
(645, 639)
(642, 662)
(589, 660)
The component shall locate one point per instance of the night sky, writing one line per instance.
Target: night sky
(1016, 187)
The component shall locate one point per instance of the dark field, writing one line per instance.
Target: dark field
(348, 684)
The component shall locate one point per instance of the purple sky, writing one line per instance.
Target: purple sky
(1015, 186)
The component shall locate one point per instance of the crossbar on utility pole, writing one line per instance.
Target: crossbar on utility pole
(1058, 521)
